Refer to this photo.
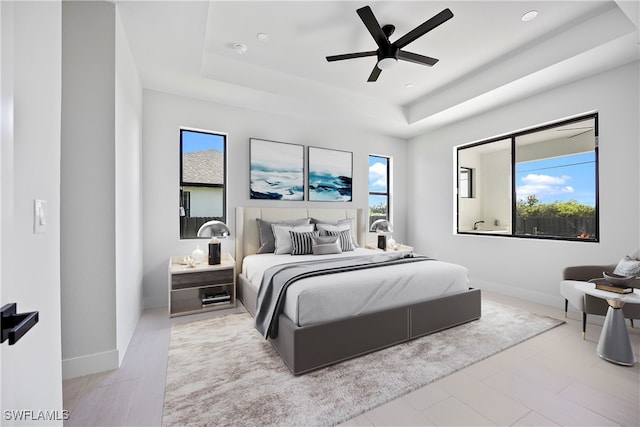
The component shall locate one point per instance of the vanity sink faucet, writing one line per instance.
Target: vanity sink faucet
(475, 224)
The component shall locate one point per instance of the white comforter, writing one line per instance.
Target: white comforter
(337, 296)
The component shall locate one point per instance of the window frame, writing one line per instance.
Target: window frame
(513, 137)
(183, 183)
(386, 194)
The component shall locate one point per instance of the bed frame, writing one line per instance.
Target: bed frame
(304, 349)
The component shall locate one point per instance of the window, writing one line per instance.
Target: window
(379, 196)
(539, 183)
(465, 186)
(202, 180)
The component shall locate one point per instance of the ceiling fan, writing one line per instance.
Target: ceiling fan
(389, 53)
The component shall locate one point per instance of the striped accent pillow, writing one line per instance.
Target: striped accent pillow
(346, 244)
(301, 242)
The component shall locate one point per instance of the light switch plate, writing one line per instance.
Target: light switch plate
(39, 216)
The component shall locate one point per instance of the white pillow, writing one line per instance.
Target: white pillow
(354, 230)
(326, 245)
(283, 242)
(343, 224)
(628, 267)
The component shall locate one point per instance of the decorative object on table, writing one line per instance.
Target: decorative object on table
(330, 175)
(618, 279)
(382, 226)
(613, 288)
(197, 254)
(277, 170)
(391, 244)
(189, 261)
(615, 283)
(215, 230)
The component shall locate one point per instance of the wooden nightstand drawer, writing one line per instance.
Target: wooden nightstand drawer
(204, 278)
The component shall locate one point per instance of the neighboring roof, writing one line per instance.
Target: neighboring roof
(205, 167)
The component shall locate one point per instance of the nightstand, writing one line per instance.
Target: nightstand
(201, 288)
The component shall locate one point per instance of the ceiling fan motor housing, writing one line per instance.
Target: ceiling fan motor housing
(390, 52)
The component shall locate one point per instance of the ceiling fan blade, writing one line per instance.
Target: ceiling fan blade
(351, 55)
(416, 59)
(370, 21)
(374, 74)
(424, 28)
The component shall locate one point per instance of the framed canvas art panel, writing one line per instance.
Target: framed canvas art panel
(330, 175)
(276, 169)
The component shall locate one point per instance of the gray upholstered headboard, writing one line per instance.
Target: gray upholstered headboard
(246, 233)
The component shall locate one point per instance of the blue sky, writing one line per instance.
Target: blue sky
(198, 141)
(377, 179)
(558, 179)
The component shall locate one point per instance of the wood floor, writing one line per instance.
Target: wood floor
(552, 379)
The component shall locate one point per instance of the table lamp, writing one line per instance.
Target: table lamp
(215, 230)
(381, 226)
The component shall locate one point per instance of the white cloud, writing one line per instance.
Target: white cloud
(533, 179)
(543, 186)
(377, 175)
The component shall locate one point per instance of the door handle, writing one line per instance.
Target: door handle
(14, 324)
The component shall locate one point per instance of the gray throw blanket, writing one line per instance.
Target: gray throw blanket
(278, 278)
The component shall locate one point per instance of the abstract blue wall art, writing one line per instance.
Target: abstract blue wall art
(330, 174)
(277, 170)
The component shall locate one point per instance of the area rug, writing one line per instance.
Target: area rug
(222, 372)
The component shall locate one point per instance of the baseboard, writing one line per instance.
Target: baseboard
(90, 364)
(525, 294)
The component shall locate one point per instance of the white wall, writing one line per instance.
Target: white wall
(530, 268)
(164, 114)
(128, 198)
(101, 243)
(30, 153)
(88, 188)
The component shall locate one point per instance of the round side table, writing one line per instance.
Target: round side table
(614, 345)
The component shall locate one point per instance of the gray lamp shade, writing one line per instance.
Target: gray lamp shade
(214, 229)
(381, 226)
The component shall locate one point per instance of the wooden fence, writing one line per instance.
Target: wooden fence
(582, 227)
(189, 225)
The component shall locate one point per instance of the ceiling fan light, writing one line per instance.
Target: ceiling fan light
(386, 63)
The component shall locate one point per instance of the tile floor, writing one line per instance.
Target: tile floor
(554, 379)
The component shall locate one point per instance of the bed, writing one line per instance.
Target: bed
(314, 330)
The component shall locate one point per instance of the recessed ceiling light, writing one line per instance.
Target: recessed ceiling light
(263, 37)
(239, 48)
(530, 16)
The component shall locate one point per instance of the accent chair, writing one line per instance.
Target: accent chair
(588, 304)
